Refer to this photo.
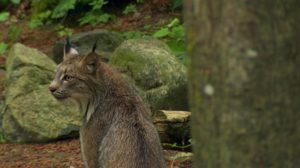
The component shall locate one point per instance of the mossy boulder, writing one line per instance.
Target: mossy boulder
(30, 113)
(156, 73)
(106, 41)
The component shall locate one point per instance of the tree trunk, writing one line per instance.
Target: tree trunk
(244, 82)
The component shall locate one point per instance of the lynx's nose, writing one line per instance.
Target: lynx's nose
(52, 87)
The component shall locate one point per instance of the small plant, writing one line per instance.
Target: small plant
(3, 47)
(4, 16)
(47, 12)
(14, 33)
(174, 33)
(63, 31)
(131, 8)
(50, 12)
(40, 19)
(94, 19)
(163, 32)
(133, 35)
(98, 4)
(174, 30)
(62, 8)
(96, 15)
(9, 2)
(16, 2)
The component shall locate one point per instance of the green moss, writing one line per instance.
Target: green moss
(32, 114)
(156, 72)
(25, 80)
(21, 55)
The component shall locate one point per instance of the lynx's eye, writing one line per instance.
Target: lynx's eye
(68, 78)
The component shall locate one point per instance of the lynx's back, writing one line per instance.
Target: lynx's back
(116, 130)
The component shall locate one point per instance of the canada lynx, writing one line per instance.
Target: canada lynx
(116, 131)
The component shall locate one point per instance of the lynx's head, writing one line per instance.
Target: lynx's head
(76, 74)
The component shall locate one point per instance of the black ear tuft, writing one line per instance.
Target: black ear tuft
(70, 51)
(94, 47)
(67, 45)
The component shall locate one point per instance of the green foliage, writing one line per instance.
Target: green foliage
(38, 7)
(173, 30)
(3, 2)
(94, 19)
(3, 47)
(174, 33)
(63, 31)
(40, 20)
(51, 11)
(14, 33)
(140, 1)
(98, 4)
(89, 18)
(2, 139)
(105, 17)
(62, 8)
(176, 4)
(173, 23)
(7, 2)
(133, 35)
(46, 12)
(131, 8)
(96, 15)
(177, 32)
(16, 2)
(163, 32)
(4, 16)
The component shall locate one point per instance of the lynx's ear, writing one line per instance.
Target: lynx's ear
(91, 60)
(69, 50)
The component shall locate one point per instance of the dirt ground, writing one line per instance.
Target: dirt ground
(61, 154)
(66, 153)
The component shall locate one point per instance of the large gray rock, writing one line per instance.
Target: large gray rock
(106, 43)
(30, 113)
(156, 73)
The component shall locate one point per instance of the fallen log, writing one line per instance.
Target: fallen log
(173, 128)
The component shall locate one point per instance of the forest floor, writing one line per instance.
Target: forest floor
(66, 153)
(60, 154)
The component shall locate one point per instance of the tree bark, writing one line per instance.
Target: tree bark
(244, 82)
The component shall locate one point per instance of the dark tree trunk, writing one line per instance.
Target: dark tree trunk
(244, 81)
